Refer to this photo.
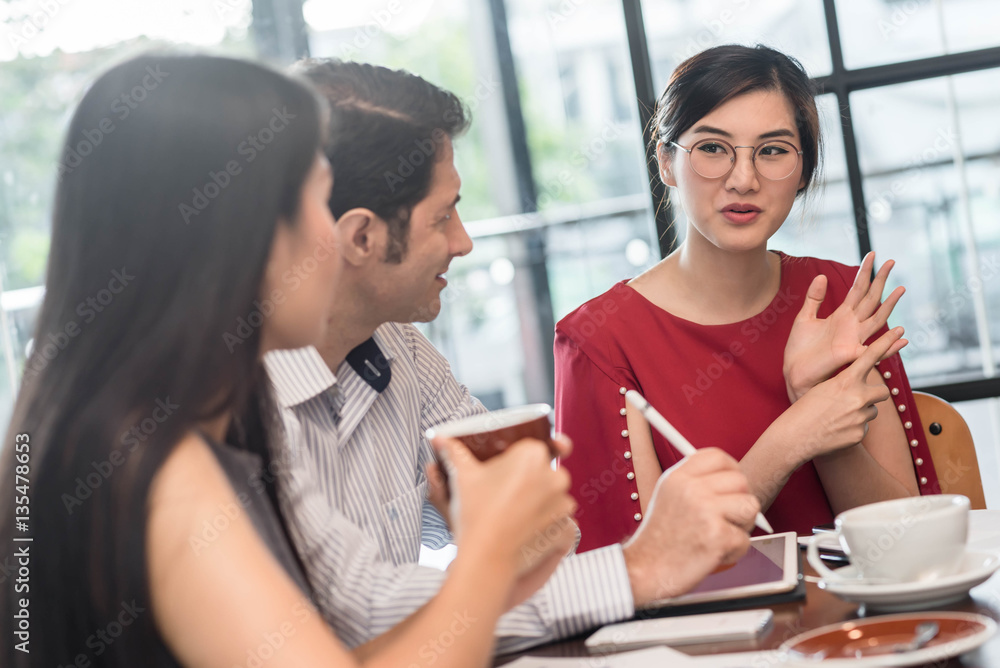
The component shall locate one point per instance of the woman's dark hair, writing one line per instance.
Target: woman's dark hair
(386, 132)
(175, 172)
(710, 78)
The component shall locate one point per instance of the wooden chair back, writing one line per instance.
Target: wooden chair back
(952, 449)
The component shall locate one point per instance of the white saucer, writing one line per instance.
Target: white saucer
(984, 531)
(977, 567)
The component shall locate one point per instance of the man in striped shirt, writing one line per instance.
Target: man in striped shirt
(352, 481)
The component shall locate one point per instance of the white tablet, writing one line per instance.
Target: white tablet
(771, 566)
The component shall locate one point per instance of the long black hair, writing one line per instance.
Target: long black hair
(175, 172)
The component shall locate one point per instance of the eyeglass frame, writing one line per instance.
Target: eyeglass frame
(732, 162)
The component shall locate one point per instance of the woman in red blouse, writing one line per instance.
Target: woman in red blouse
(739, 347)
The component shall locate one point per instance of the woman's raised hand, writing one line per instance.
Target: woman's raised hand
(835, 413)
(817, 347)
(514, 510)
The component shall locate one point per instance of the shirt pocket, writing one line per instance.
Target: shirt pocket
(401, 523)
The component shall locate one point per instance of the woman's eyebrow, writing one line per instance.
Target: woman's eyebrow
(708, 129)
(783, 132)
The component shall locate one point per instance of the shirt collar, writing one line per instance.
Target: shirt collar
(298, 375)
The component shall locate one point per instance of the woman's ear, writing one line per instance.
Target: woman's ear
(665, 163)
(361, 235)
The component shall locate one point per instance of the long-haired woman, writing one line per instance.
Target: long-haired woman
(187, 241)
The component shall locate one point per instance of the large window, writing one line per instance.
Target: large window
(49, 54)
(556, 188)
(911, 170)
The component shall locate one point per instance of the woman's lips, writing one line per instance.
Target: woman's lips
(741, 214)
(741, 217)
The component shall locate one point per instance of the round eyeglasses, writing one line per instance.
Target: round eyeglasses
(775, 160)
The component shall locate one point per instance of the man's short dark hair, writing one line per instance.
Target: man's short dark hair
(386, 132)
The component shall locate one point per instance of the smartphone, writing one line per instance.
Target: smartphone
(686, 630)
(829, 527)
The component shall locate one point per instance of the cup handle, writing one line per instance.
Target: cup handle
(812, 555)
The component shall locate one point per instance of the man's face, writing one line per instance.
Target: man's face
(410, 291)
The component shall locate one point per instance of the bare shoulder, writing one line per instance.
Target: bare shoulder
(216, 588)
(187, 489)
(190, 474)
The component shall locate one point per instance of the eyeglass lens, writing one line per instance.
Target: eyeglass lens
(713, 158)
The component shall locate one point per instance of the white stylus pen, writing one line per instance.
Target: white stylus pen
(676, 439)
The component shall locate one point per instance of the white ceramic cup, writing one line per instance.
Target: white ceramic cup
(915, 539)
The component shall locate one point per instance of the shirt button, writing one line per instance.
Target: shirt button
(624, 433)
(919, 461)
(923, 481)
(638, 517)
(622, 412)
(901, 407)
(887, 375)
(622, 390)
(630, 475)
(894, 391)
(628, 454)
(635, 496)
(907, 425)
(914, 443)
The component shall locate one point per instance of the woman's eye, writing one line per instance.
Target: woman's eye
(773, 150)
(712, 149)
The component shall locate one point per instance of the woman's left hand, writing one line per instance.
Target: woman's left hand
(817, 347)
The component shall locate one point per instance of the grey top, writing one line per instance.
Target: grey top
(245, 470)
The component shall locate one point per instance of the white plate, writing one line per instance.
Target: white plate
(868, 643)
(976, 568)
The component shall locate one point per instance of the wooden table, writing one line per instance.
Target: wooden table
(820, 608)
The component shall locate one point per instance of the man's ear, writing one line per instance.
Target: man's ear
(361, 235)
(665, 163)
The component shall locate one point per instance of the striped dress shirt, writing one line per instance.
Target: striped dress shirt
(352, 487)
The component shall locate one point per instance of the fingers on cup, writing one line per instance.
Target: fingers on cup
(563, 445)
